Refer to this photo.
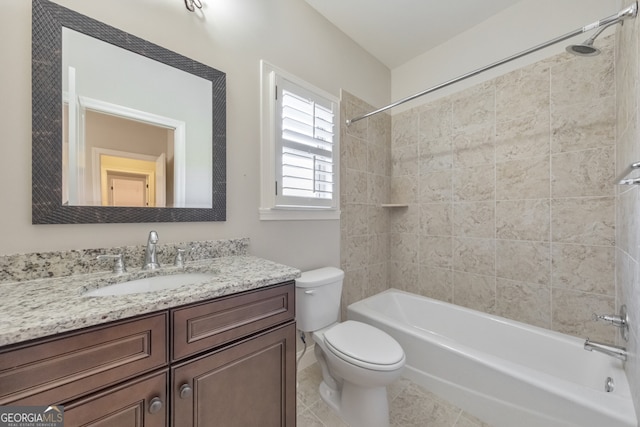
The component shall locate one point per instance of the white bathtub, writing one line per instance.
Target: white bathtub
(507, 373)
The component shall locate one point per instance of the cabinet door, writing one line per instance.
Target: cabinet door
(137, 403)
(251, 383)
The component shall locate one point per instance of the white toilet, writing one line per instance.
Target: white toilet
(358, 360)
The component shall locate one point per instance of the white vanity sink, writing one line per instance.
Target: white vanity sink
(150, 284)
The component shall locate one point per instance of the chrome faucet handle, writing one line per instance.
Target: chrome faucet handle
(619, 320)
(118, 265)
(179, 261)
(180, 253)
(614, 319)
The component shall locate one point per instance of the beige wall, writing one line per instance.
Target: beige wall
(627, 65)
(230, 35)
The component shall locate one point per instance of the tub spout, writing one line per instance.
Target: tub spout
(608, 349)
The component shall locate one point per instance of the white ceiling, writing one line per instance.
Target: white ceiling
(395, 31)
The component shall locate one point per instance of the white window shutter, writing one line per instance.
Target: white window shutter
(306, 146)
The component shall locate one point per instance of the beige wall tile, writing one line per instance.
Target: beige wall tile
(524, 261)
(583, 173)
(404, 247)
(523, 179)
(354, 153)
(356, 219)
(582, 126)
(378, 249)
(403, 275)
(436, 154)
(476, 183)
(436, 219)
(572, 82)
(474, 291)
(523, 219)
(435, 283)
(523, 137)
(475, 219)
(405, 220)
(404, 189)
(573, 314)
(436, 251)
(588, 221)
(357, 252)
(378, 219)
(405, 160)
(435, 120)
(379, 129)
(355, 281)
(378, 187)
(525, 302)
(356, 186)
(628, 220)
(353, 107)
(436, 186)
(474, 255)
(474, 107)
(378, 159)
(405, 128)
(583, 268)
(522, 92)
(377, 279)
(473, 146)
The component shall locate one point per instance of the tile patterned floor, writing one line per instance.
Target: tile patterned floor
(410, 406)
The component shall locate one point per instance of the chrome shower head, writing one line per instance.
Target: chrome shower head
(586, 48)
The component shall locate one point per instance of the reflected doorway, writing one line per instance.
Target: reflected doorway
(127, 190)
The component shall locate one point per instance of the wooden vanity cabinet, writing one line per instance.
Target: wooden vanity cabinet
(250, 383)
(248, 376)
(226, 362)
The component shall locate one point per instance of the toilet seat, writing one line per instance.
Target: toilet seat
(364, 346)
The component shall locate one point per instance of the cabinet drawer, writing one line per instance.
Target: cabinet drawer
(197, 328)
(60, 369)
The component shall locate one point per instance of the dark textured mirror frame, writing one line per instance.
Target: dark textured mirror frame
(46, 158)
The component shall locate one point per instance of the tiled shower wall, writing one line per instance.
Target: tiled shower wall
(628, 198)
(365, 170)
(511, 206)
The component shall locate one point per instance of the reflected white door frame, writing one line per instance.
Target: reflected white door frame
(179, 134)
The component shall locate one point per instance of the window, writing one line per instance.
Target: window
(300, 149)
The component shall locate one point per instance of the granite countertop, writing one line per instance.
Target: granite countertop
(42, 307)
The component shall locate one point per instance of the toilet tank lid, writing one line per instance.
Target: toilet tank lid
(319, 277)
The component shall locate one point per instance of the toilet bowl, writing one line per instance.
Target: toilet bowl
(358, 361)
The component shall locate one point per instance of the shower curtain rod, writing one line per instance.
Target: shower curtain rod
(629, 12)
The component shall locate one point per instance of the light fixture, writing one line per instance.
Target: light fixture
(193, 4)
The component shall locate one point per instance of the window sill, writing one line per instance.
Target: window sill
(272, 214)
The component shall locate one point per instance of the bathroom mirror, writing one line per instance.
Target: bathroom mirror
(123, 130)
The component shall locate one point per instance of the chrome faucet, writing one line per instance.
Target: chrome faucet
(620, 320)
(150, 257)
(608, 349)
(118, 262)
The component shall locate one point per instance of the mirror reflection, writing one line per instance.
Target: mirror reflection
(136, 132)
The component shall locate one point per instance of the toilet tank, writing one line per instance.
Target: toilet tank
(318, 295)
